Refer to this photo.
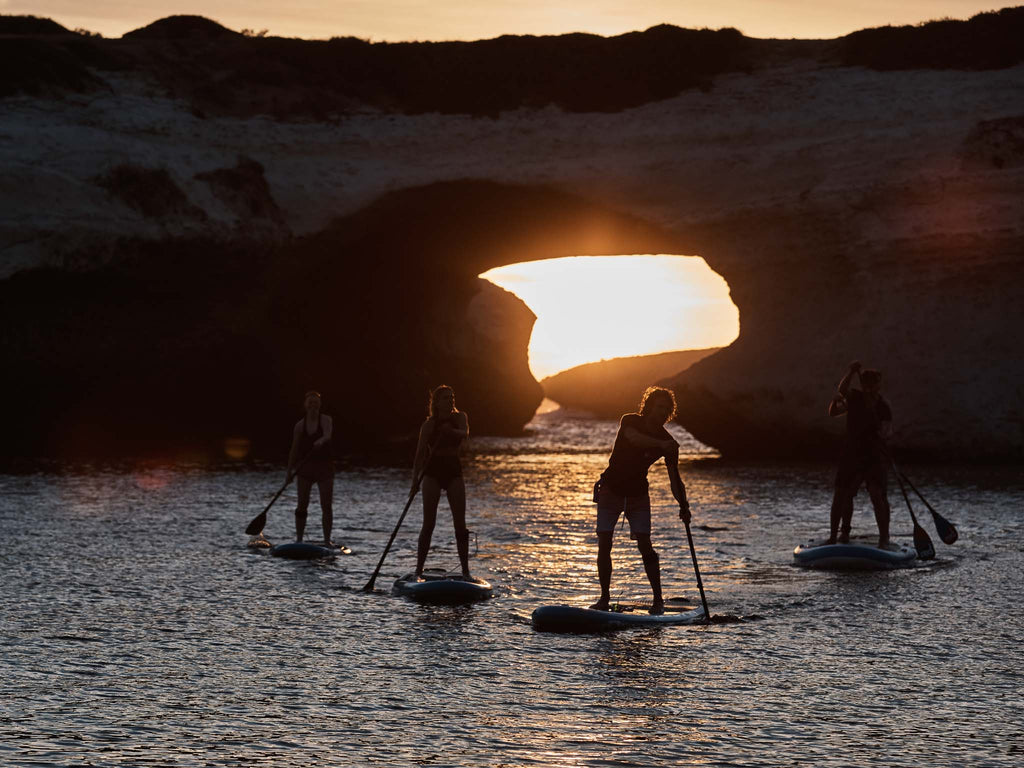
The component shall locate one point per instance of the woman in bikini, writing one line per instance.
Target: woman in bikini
(437, 458)
(310, 458)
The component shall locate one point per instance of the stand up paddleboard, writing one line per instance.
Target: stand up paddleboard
(567, 618)
(304, 550)
(439, 587)
(854, 556)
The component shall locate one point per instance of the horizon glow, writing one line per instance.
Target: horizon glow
(403, 20)
(592, 308)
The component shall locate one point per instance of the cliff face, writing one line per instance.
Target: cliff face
(854, 213)
(610, 388)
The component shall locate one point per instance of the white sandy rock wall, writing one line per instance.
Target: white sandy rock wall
(845, 207)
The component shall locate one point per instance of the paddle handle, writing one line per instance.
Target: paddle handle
(696, 572)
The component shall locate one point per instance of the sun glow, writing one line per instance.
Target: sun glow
(597, 307)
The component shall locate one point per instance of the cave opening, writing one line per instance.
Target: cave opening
(594, 308)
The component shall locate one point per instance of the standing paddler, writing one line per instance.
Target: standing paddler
(641, 440)
(310, 458)
(437, 465)
(863, 462)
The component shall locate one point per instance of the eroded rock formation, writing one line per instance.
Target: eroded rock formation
(855, 213)
(610, 388)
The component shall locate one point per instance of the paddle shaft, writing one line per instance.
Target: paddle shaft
(696, 572)
(251, 528)
(922, 541)
(947, 531)
(412, 495)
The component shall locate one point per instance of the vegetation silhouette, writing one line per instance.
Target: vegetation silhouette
(223, 72)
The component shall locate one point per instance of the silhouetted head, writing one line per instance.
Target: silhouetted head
(871, 380)
(658, 403)
(442, 401)
(312, 400)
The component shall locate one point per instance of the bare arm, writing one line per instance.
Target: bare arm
(419, 462)
(457, 425)
(678, 489)
(328, 426)
(293, 453)
(837, 405)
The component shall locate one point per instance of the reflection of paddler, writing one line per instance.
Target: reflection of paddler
(437, 457)
(641, 440)
(311, 455)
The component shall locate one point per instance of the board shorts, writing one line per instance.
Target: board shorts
(637, 508)
(443, 469)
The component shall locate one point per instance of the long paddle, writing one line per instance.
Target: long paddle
(922, 541)
(256, 526)
(696, 571)
(412, 495)
(946, 530)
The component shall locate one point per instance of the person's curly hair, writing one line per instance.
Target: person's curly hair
(658, 393)
(434, 395)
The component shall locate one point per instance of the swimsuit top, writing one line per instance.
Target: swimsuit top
(320, 453)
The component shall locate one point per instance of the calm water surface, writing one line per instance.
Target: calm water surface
(139, 630)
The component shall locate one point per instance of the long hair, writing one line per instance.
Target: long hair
(431, 409)
(658, 393)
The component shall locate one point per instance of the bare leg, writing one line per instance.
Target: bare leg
(876, 482)
(326, 487)
(604, 569)
(652, 566)
(431, 492)
(848, 481)
(304, 485)
(457, 501)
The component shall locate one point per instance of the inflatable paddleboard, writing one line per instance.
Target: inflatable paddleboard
(568, 618)
(304, 550)
(442, 588)
(855, 556)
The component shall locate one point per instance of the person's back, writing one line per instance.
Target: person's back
(629, 461)
(864, 461)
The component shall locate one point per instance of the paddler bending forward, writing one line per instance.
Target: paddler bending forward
(641, 440)
(437, 458)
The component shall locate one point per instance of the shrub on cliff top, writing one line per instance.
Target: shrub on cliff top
(183, 26)
(576, 72)
(41, 67)
(987, 41)
(30, 25)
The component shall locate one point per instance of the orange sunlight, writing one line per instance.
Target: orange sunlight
(597, 307)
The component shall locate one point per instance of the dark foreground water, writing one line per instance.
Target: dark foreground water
(138, 630)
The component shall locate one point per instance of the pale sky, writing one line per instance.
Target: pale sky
(394, 20)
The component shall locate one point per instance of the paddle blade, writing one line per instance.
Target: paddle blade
(946, 530)
(923, 543)
(256, 526)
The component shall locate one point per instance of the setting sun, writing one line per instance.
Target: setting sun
(597, 307)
